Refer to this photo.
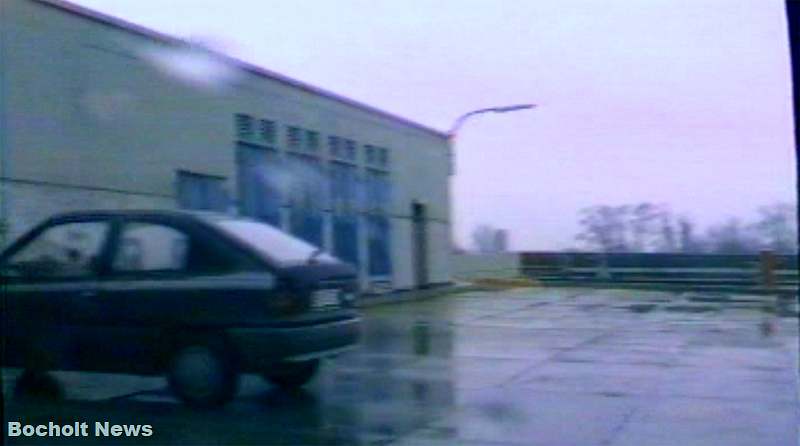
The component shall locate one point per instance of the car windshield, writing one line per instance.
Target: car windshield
(273, 243)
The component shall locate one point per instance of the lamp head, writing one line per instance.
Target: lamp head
(511, 108)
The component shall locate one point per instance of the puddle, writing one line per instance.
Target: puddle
(421, 335)
(575, 360)
(692, 308)
(612, 394)
(592, 307)
(641, 308)
(721, 298)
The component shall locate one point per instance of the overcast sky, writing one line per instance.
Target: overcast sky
(682, 102)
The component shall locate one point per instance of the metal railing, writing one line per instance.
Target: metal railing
(701, 272)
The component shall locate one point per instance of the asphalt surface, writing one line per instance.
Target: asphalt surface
(520, 367)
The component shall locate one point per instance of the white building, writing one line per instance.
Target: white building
(96, 112)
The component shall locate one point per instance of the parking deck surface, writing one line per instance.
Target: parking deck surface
(517, 367)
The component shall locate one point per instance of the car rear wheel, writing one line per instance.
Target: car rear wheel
(290, 375)
(38, 385)
(203, 375)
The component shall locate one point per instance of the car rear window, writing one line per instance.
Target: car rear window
(272, 242)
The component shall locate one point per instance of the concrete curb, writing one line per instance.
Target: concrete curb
(415, 295)
(699, 288)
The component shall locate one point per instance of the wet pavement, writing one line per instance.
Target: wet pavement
(519, 367)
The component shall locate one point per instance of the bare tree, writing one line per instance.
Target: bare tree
(688, 241)
(776, 227)
(732, 237)
(647, 227)
(668, 242)
(641, 219)
(604, 228)
(643, 227)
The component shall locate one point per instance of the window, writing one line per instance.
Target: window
(306, 224)
(201, 192)
(343, 185)
(383, 157)
(312, 140)
(378, 235)
(350, 149)
(244, 126)
(267, 131)
(65, 250)
(155, 247)
(308, 185)
(378, 190)
(345, 237)
(293, 136)
(261, 184)
(334, 147)
(151, 247)
(370, 154)
(307, 197)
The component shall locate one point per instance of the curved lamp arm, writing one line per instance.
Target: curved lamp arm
(509, 108)
(451, 135)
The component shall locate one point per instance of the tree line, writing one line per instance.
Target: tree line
(649, 227)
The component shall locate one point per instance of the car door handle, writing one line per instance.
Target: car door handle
(88, 294)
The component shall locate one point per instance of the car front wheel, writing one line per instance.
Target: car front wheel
(290, 375)
(202, 375)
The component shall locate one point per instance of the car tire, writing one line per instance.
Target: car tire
(203, 375)
(291, 375)
(38, 385)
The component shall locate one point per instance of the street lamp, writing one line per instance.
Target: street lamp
(508, 108)
(451, 135)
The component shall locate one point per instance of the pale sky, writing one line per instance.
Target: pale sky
(682, 102)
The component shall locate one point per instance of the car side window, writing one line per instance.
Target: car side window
(66, 250)
(154, 247)
(150, 247)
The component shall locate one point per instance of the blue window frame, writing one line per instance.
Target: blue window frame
(294, 135)
(306, 224)
(244, 126)
(334, 146)
(259, 174)
(345, 237)
(201, 192)
(378, 237)
(377, 190)
(369, 154)
(350, 149)
(343, 186)
(312, 140)
(307, 197)
(383, 157)
(267, 131)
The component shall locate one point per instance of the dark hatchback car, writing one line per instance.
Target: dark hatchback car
(198, 297)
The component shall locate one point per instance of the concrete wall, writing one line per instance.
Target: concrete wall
(93, 122)
(478, 266)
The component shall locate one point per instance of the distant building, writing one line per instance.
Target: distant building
(101, 113)
(488, 239)
(501, 240)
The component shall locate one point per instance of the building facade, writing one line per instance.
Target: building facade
(101, 113)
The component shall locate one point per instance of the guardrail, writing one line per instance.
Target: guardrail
(704, 272)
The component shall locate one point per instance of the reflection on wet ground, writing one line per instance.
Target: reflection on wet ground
(520, 367)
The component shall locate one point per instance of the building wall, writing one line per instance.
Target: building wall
(482, 266)
(94, 121)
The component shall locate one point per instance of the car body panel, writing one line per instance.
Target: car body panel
(128, 321)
